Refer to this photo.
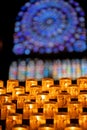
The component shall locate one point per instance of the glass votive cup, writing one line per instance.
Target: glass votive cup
(74, 109)
(13, 119)
(20, 127)
(82, 97)
(41, 98)
(73, 127)
(64, 83)
(36, 120)
(2, 90)
(63, 99)
(46, 83)
(82, 83)
(30, 82)
(46, 127)
(29, 109)
(83, 120)
(1, 83)
(50, 109)
(61, 119)
(11, 84)
(6, 109)
(73, 90)
(16, 91)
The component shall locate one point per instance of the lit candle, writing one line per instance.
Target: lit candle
(64, 83)
(29, 83)
(11, 84)
(83, 120)
(2, 90)
(54, 90)
(41, 98)
(46, 127)
(82, 83)
(82, 97)
(73, 90)
(46, 83)
(13, 119)
(50, 109)
(74, 109)
(20, 127)
(1, 83)
(0, 127)
(36, 120)
(29, 109)
(73, 127)
(63, 99)
(61, 119)
(6, 109)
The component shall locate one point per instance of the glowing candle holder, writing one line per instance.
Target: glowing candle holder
(41, 98)
(50, 109)
(34, 90)
(6, 109)
(36, 120)
(61, 119)
(46, 83)
(20, 127)
(17, 91)
(29, 109)
(74, 109)
(21, 99)
(2, 90)
(11, 84)
(73, 90)
(54, 90)
(63, 99)
(82, 97)
(13, 119)
(64, 83)
(82, 83)
(0, 127)
(73, 127)
(83, 120)
(46, 127)
(1, 83)
(29, 83)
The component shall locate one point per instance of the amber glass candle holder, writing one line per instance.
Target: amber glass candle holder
(63, 99)
(83, 120)
(17, 91)
(50, 109)
(2, 90)
(29, 109)
(41, 98)
(6, 109)
(20, 127)
(73, 90)
(82, 97)
(13, 119)
(30, 82)
(54, 90)
(46, 83)
(1, 83)
(46, 127)
(73, 127)
(82, 83)
(36, 120)
(74, 109)
(64, 83)
(11, 84)
(61, 119)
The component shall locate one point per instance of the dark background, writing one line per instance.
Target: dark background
(8, 12)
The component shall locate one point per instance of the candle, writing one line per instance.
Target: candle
(63, 99)
(64, 83)
(0, 127)
(11, 84)
(46, 83)
(73, 90)
(6, 109)
(73, 127)
(46, 127)
(54, 90)
(74, 109)
(61, 119)
(82, 83)
(1, 83)
(41, 98)
(2, 90)
(83, 120)
(82, 97)
(50, 109)
(16, 91)
(20, 127)
(36, 120)
(29, 109)
(13, 119)
(29, 83)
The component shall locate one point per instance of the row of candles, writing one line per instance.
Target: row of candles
(40, 103)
